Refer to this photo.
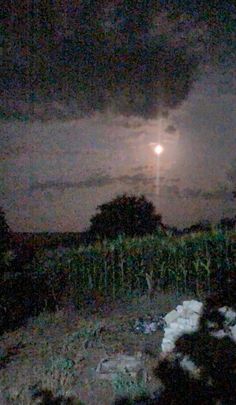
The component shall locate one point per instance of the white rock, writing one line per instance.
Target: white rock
(219, 333)
(167, 345)
(109, 368)
(223, 310)
(174, 325)
(194, 320)
(171, 316)
(211, 325)
(187, 364)
(233, 332)
(230, 315)
(169, 333)
(182, 320)
(194, 306)
(180, 309)
(153, 326)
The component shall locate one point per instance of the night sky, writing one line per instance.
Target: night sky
(88, 88)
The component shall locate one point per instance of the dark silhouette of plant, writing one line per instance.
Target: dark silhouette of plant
(22, 293)
(46, 397)
(4, 240)
(7, 355)
(202, 226)
(227, 223)
(125, 215)
(4, 228)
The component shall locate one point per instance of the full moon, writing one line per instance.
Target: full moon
(158, 149)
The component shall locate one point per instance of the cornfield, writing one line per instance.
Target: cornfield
(196, 262)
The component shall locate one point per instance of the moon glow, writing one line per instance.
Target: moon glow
(158, 149)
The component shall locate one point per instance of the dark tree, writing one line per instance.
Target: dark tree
(4, 232)
(125, 215)
(228, 223)
(4, 240)
(203, 226)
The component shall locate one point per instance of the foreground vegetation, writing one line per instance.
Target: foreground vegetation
(114, 269)
(107, 270)
(120, 267)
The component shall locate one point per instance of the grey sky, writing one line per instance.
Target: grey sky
(55, 172)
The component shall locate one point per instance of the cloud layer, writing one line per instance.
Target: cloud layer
(145, 183)
(140, 60)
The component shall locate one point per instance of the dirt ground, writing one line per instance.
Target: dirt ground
(61, 351)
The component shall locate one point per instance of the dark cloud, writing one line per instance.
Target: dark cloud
(170, 129)
(231, 174)
(169, 190)
(100, 180)
(56, 185)
(137, 179)
(93, 181)
(140, 59)
(191, 193)
(133, 124)
(142, 168)
(172, 190)
(217, 195)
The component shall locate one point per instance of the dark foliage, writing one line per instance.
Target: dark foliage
(215, 357)
(7, 356)
(125, 215)
(203, 226)
(47, 398)
(21, 293)
(228, 223)
(21, 297)
(4, 230)
(4, 240)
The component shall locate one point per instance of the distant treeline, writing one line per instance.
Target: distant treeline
(49, 239)
(75, 239)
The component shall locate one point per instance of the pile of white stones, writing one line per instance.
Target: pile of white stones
(185, 319)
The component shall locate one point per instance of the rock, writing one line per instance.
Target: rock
(233, 333)
(219, 334)
(187, 364)
(152, 327)
(149, 326)
(180, 309)
(230, 316)
(184, 319)
(110, 367)
(171, 317)
(167, 345)
(193, 306)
